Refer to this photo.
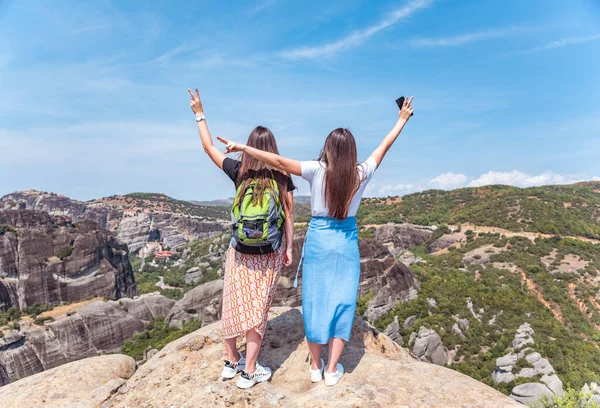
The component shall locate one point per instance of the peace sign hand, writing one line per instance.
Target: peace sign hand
(231, 147)
(407, 109)
(195, 103)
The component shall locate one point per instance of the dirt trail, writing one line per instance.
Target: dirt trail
(533, 289)
(530, 235)
(581, 305)
(484, 229)
(64, 309)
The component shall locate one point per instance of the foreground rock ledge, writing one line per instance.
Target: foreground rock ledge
(84, 383)
(186, 373)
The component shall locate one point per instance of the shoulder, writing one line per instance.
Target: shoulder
(368, 167)
(231, 167)
(311, 167)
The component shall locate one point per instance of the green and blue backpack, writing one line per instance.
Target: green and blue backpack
(257, 225)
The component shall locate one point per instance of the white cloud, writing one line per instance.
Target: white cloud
(520, 179)
(167, 56)
(515, 178)
(396, 189)
(449, 180)
(564, 42)
(453, 41)
(357, 37)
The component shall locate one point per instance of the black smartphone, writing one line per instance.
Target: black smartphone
(400, 102)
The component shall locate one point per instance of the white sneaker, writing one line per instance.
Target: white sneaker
(317, 375)
(247, 380)
(334, 378)
(230, 369)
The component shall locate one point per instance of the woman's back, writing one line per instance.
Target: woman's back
(314, 172)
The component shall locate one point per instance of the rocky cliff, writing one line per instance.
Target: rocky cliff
(134, 227)
(87, 331)
(186, 373)
(46, 259)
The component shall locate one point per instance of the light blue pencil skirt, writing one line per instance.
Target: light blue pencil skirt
(330, 276)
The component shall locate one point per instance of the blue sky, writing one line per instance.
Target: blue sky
(93, 98)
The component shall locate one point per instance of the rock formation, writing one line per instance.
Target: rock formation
(443, 242)
(428, 347)
(49, 260)
(204, 302)
(134, 229)
(80, 384)
(92, 329)
(186, 373)
(400, 237)
(533, 365)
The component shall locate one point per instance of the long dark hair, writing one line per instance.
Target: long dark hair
(342, 178)
(253, 169)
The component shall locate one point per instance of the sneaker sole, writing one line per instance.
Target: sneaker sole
(228, 373)
(334, 382)
(245, 384)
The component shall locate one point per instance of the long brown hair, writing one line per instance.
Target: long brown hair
(253, 169)
(342, 178)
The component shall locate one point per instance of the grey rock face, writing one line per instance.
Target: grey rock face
(399, 237)
(98, 327)
(203, 302)
(428, 347)
(442, 242)
(456, 330)
(529, 393)
(135, 230)
(193, 275)
(507, 360)
(97, 265)
(393, 331)
(146, 307)
(410, 320)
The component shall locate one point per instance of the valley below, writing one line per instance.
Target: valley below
(497, 283)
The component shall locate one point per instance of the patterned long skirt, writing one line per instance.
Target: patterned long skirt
(248, 291)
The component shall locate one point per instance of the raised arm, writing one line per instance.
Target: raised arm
(215, 154)
(272, 159)
(403, 117)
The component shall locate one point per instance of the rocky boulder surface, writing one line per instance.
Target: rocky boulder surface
(400, 237)
(428, 347)
(443, 242)
(186, 373)
(95, 328)
(80, 384)
(46, 259)
(134, 229)
(532, 365)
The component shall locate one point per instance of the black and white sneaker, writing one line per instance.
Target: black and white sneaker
(247, 380)
(230, 369)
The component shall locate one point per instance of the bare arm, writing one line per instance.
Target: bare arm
(403, 117)
(289, 230)
(215, 154)
(288, 165)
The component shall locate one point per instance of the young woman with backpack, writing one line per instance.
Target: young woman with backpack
(262, 215)
(331, 268)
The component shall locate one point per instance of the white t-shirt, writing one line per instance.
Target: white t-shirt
(314, 173)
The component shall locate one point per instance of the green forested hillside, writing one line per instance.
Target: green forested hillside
(500, 288)
(568, 210)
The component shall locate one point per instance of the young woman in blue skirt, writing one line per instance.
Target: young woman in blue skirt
(331, 267)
